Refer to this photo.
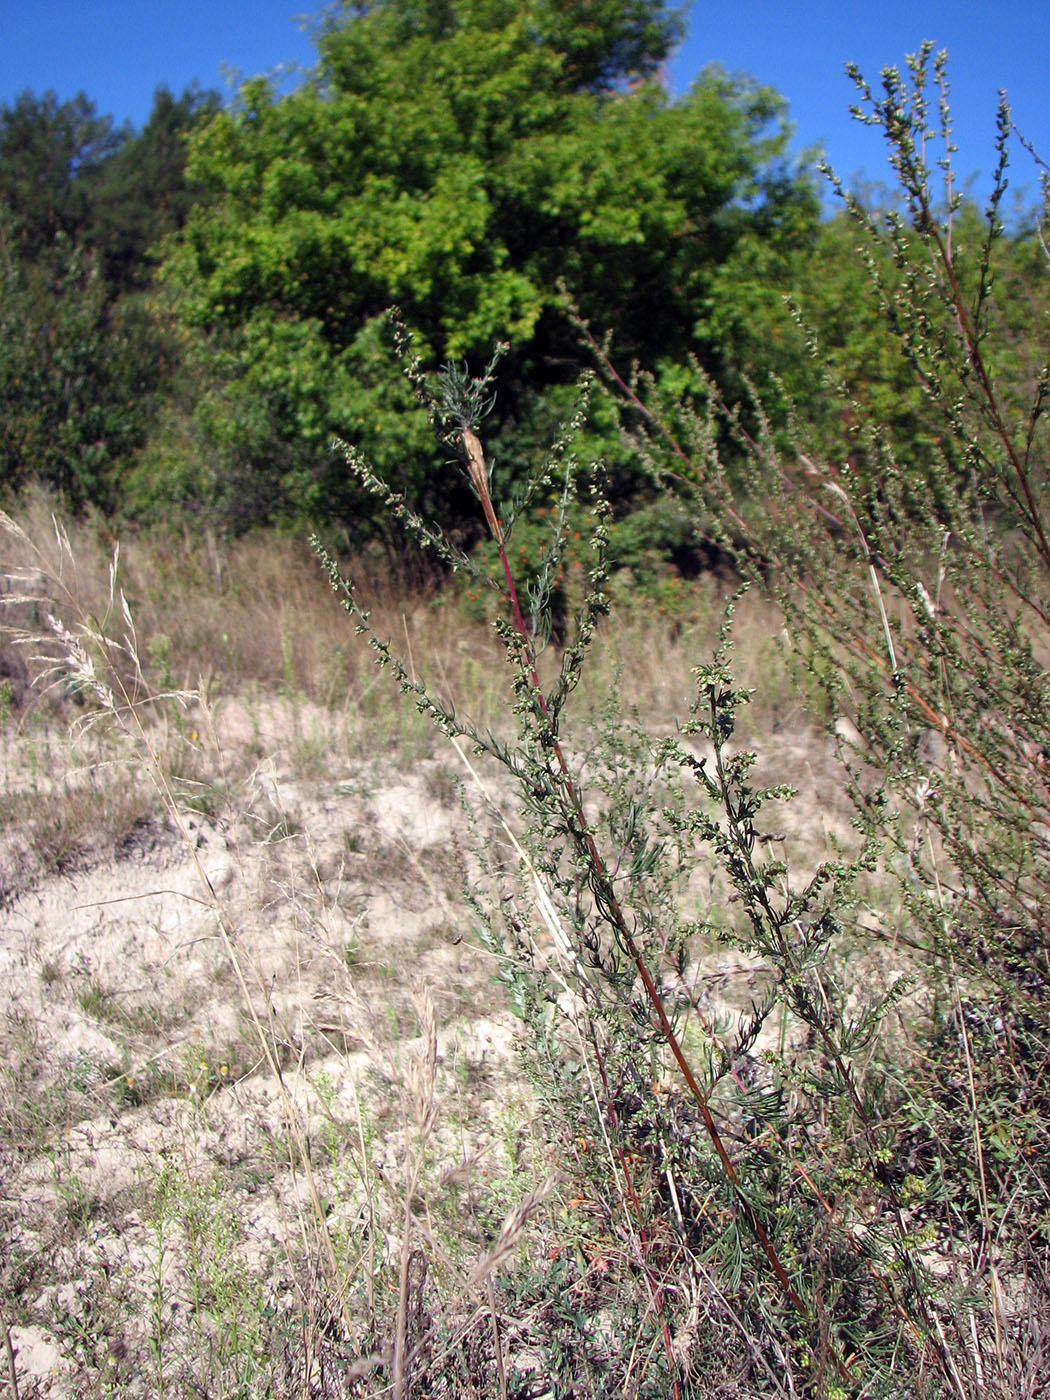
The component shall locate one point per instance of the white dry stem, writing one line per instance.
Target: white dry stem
(837, 489)
(953, 1370)
(978, 1364)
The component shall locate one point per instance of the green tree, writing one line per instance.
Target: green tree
(459, 158)
(50, 154)
(82, 356)
(76, 375)
(140, 193)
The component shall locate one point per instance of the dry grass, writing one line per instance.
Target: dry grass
(250, 1154)
(256, 614)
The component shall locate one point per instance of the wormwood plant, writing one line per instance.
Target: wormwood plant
(738, 1175)
(919, 603)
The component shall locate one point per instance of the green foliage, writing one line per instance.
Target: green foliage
(75, 376)
(140, 193)
(458, 161)
(494, 169)
(66, 172)
(855, 372)
(50, 155)
(854, 1164)
(82, 359)
(914, 578)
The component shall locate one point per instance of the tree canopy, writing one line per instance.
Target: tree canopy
(50, 155)
(193, 311)
(81, 358)
(463, 159)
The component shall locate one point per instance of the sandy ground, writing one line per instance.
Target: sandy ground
(135, 1088)
(157, 1216)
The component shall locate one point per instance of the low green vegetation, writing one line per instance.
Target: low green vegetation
(852, 1166)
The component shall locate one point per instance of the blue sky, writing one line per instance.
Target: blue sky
(118, 51)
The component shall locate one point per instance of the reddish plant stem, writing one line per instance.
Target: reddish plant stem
(583, 835)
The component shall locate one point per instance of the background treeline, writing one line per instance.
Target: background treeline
(189, 313)
(84, 360)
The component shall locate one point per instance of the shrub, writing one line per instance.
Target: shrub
(917, 601)
(852, 1171)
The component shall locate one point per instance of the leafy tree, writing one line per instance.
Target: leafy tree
(459, 158)
(66, 171)
(81, 356)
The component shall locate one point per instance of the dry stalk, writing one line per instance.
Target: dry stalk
(581, 832)
(419, 1080)
(9, 1349)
